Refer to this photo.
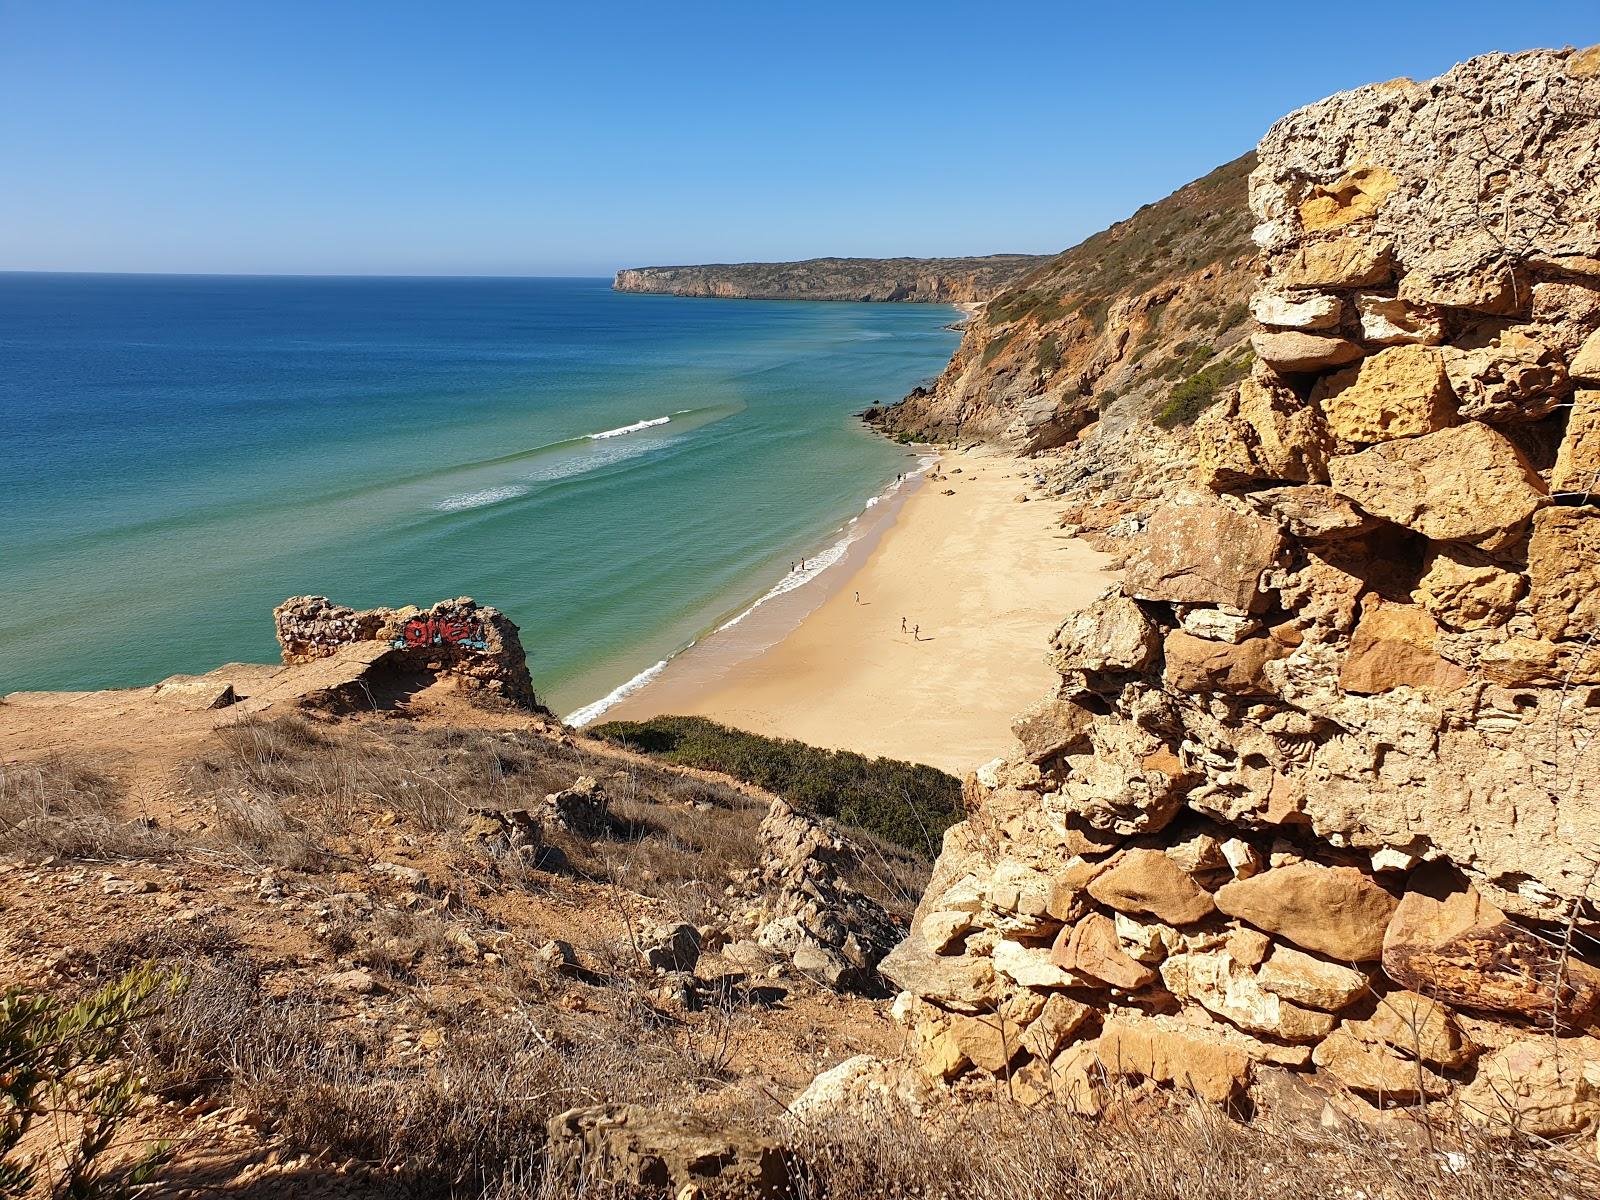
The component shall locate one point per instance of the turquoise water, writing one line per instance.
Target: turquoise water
(181, 453)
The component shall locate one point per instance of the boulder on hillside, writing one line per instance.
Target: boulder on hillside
(1204, 554)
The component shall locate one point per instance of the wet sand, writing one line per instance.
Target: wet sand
(986, 578)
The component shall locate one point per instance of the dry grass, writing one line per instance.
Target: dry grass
(64, 808)
(285, 790)
(1192, 1152)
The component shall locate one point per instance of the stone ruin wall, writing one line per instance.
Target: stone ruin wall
(477, 646)
(1318, 798)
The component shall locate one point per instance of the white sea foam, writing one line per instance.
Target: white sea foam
(622, 429)
(587, 714)
(494, 495)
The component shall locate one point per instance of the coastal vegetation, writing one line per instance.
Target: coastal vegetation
(910, 804)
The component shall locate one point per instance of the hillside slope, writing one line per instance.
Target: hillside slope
(914, 280)
(1153, 305)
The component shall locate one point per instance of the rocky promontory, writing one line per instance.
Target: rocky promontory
(906, 280)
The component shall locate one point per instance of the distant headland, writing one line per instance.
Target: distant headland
(906, 280)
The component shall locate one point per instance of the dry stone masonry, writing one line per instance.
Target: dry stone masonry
(1320, 789)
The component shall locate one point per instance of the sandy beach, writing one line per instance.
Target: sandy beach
(985, 578)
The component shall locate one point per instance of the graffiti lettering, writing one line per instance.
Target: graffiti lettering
(434, 631)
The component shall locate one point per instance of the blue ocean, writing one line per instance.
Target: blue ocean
(617, 472)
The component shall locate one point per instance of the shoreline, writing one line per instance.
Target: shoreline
(985, 577)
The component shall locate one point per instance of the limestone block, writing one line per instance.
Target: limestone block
(1376, 1070)
(1585, 365)
(1311, 981)
(1577, 469)
(1111, 634)
(1229, 989)
(1515, 377)
(1336, 911)
(1464, 589)
(1149, 882)
(1293, 353)
(1262, 431)
(1564, 572)
(1191, 1060)
(1051, 727)
(1401, 391)
(1464, 484)
(1416, 1027)
(1390, 321)
(1090, 949)
(1197, 666)
(1204, 554)
(1548, 1087)
(1297, 312)
(1395, 645)
(1343, 262)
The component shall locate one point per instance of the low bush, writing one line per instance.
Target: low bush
(69, 809)
(910, 804)
(1200, 390)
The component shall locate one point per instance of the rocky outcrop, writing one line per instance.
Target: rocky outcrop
(909, 280)
(1106, 329)
(803, 909)
(1320, 787)
(476, 646)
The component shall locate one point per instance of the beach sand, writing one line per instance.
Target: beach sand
(986, 578)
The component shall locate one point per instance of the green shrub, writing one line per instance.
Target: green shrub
(1047, 357)
(910, 804)
(56, 1060)
(997, 347)
(1199, 391)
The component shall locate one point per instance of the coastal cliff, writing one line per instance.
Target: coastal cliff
(1155, 302)
(1316, 795)
(905, 280)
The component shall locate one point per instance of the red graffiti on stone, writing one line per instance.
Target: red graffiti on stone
(434, 631)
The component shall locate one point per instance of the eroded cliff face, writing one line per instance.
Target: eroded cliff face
(1320, 789)
(905, 280)
(1111, 325)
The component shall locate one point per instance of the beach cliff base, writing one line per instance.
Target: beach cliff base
(981, 578)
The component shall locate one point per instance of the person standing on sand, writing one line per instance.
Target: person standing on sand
(858, 597)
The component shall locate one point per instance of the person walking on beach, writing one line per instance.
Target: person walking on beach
(902, 624)
(858, 597)
(916, 633)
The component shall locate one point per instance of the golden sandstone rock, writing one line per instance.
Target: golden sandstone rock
(1468, 483)
(1298, 353)
(1464, 589)
(1564, 572)
(1399, 392)
(1358, 194)
(1204, 554)
(1341, 262)
(1577, 469)
(1148, 881)
(1263, 431)
(1337, 911)
(1395, 646)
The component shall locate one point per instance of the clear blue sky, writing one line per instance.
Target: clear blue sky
(575, 138)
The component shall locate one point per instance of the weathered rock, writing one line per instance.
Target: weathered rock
(807, 911)
(1357, 194)
(1090, 948)
(1311, 981)
(1564, 572)
(1577, 469)
(1399, 392)
(1297, 311)
(477, 646)
(1395, 645)
(1111, 634)
(1341, 262)
(1585, 365)
(858, 1085)
(1464, 484)
(1029, 966)
(670, 947)
(1291, 353)
(1261, 432)
(1051, 727)
(1515, 377)
(581, 809)
(1187, 1060)
(1477, 276)
(1312, 513)
(964, 983)
(1195, 666)
(1374, 1069)
(1416, 1027)
(1446, 941)
(1204, 554)
(1465, 589)
(1390, 321)
(1148, 881)
(638, 1148)
(1336, 911)
(1544, 1086)
(1215, 625)
(1049, 1032)
(1228, 988)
